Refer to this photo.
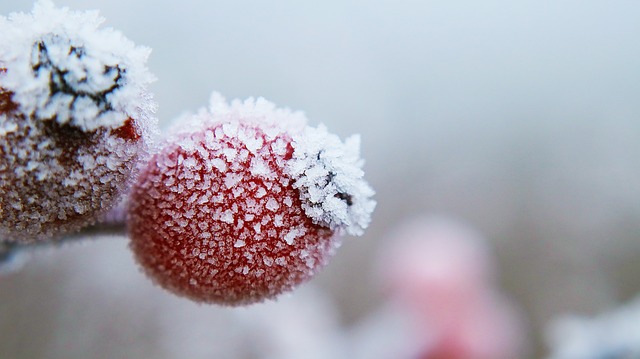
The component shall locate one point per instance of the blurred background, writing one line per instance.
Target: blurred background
(519, 119)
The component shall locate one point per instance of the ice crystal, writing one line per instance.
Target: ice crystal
(330, 179)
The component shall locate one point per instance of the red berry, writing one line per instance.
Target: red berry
(74, 118)
(216, 216)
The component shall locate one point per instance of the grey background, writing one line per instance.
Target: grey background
(519, 118)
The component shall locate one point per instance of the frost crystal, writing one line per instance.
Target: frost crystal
(330, 179)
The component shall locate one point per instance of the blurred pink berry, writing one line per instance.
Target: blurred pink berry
(75, 116)
(436, 259)
(442, 276)
(245, 202)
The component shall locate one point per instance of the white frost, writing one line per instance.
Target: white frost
(293, 234)
(61, 64)
(329, 175)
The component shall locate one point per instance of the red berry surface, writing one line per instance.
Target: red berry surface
(214, 217)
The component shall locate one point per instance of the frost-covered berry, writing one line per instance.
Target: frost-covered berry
(75, 116)
(245, 202)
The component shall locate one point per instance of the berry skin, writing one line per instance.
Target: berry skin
(217, 217)
(74, 119)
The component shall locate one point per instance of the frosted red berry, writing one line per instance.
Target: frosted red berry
(74, 119)
(217, 216)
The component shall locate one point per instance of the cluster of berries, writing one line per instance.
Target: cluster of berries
(240, 202)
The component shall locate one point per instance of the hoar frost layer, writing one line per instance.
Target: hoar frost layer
(74, 117)
(245, 202)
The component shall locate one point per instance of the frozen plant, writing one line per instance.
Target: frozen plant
(611, 335)
(239, 204)
(245, 202)
(75, 117)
